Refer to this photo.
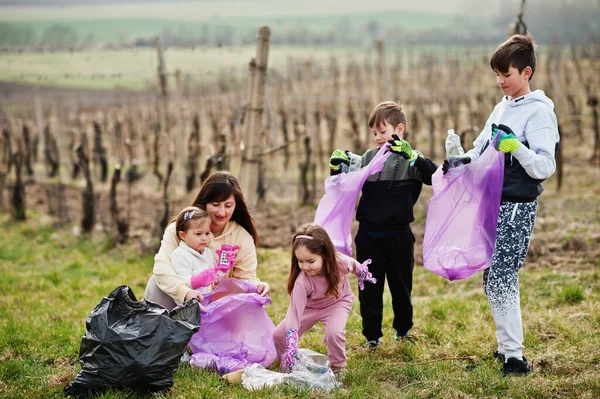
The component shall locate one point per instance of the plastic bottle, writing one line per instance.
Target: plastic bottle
(453, 147)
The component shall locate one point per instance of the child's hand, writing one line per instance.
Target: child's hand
(402, 148)
(193, 294)
(204, 278)
(500, 128)
(226, 257)
(454, 162)
(291, 351)
(507, 142)
(338, 157)
(263, 289)
(364, 274)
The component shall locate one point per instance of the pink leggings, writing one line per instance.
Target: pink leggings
(334, 320)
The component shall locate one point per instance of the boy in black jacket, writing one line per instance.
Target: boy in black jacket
(384, 213)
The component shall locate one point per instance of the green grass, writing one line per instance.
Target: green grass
(51, 280)
(572, 294)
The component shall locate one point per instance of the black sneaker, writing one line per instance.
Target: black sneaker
(516, 366)
(405, 337)
(499, 356)
(373, 344)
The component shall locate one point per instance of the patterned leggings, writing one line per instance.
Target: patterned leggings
(501, 280)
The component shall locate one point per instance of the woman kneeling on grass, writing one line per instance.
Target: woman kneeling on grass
(319, 291)
(231, 224)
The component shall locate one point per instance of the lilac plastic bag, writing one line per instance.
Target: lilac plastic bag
(235, 331)
(460, 231)
(336, 209)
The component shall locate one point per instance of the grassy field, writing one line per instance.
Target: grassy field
(51, 280)
(136, 68)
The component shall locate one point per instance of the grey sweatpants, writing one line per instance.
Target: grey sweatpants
(501, 280)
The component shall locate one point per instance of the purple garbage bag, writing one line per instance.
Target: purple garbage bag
(235, 331)
(460, 231)
(336, 209)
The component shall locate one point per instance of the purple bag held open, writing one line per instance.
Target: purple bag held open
(460, 231)
(336, 209)
(235, 331)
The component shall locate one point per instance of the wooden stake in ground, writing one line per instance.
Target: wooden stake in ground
(100, 152)
(250, 164)
(518, 27)
(88, 199)
(5, 162)
(193, 148)
(162, 130)
(50, 152)
(122, 224)
(17, 199)
(592, 102)
(162, 216)
(28, 151)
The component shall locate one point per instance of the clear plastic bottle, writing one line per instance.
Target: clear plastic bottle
(453, 147)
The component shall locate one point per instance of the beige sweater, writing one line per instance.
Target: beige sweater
(234, 234)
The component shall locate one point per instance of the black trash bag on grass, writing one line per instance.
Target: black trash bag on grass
(133, 345)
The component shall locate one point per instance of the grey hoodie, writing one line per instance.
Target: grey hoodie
(532, 119)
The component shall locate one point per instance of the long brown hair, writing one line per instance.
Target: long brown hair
(319, 243)
(219, 187)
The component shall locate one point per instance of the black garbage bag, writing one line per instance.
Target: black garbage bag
(133, 345)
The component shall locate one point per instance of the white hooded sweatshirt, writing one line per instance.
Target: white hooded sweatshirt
(531, 117)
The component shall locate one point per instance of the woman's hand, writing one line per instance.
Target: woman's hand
(193, 294)
(263, 289)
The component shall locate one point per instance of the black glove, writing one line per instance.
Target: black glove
(454, 162)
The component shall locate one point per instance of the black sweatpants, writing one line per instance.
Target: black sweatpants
(392, 255)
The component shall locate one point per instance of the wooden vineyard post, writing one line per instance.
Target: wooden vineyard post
(592, 102)
(250, 163)
(17, 198)
(162, 130)
(121, 223)
(193, 147)
(39, 120)
(5, 162)
(246, 111)
(99, 150)
(313, 131)
(518, 27)
(28, 152)
(88, 199)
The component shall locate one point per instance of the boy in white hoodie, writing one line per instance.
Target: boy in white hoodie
(529, 138)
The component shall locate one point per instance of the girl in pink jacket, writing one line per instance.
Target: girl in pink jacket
(319, 291)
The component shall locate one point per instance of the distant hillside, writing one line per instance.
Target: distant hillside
(293, 22)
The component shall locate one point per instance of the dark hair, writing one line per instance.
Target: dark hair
(218, 187)
(518, 51)
(387, 111)
(319, 244)
(182, 221)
